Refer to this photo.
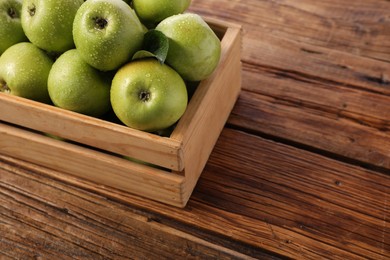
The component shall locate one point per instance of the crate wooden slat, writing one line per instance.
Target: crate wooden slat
(91, 131)
(98, 146)
(90, 164)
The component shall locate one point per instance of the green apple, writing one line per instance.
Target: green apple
(74, 85)
(148, 95)
(194, 49)
(11, 31)
(48, 23)
(154, 11)
(107, 33)
(24, 69)
(144, 163)
(56, 137)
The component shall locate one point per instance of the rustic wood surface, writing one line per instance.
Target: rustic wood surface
(301, 169)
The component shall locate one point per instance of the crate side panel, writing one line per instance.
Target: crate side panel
(212, 104)
(92, 131)
(91, 165)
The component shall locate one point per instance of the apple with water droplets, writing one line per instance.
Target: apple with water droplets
(194, 49)
(11, 31)
(107, 33)
(76, 86)
(24, 70)
(148, 95)
(154, 11)
(48, 23)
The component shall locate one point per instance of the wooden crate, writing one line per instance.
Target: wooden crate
(95, 152)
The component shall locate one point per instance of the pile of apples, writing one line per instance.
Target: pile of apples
(135, 58)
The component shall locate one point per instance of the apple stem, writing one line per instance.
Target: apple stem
(100, 23)
(31, 10)
(144, 96)
(4, 87)
(12, 13)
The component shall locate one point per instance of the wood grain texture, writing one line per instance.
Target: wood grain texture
(361, 28)
(303, 193)
(331, 118)
(305, 206)
(320, 96)
(306, 61)
(92, 165)
(210, 106)
(301, 171)
(44, 218)
(91, 131)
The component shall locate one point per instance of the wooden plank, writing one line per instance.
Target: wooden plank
(92, 165)
(319, 97)
(321, 64)
(45, 219)
(347, 122)
(273, 197)
(305, 193)
(209, 109)
(360, 27)
(324, 98)
(91, 131)
(336, 99)
(334, 203)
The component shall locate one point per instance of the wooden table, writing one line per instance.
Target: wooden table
(301, 169)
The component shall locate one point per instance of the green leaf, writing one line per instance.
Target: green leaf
(143, 54)
(155, 45)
